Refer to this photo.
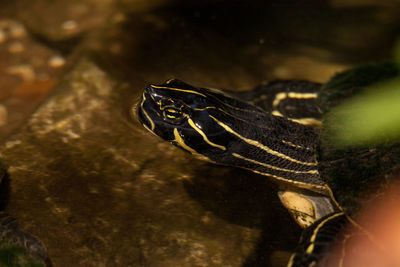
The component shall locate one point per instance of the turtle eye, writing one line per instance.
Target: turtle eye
(173, 115)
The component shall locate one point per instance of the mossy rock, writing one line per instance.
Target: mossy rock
(16, 256)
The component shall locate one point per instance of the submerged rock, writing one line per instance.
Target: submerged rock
(16, 247)
(98, 191)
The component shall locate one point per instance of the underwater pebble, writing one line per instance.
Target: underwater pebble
(3, 36)
(17, 31)
(69, 25)
(3, 115)
(11, 144)
(25, 71)
(116, 48)
(56, 61)
(205, 219)
(60, 210)
(16, 47)
(119, 17)
(217, 259)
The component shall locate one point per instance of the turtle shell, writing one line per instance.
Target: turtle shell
(355, 174)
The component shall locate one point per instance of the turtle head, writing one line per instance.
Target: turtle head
(195, 119)
(218, 127)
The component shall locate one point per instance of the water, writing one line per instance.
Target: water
(99, 190)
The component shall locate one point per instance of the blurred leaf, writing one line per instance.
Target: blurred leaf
(370, 118)
(397, 52)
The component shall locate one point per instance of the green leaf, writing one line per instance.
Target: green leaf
(370, 118)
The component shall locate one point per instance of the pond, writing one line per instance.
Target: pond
(99, 190)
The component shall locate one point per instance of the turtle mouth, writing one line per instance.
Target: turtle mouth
(156, 116)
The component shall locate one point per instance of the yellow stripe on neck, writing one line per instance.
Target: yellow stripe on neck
(274, 167)
(262, 146)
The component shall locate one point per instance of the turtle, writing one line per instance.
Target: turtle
(276, 130)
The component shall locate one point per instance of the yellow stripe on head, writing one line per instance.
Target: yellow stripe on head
(152, 126)
(178, 89)
(179, 140)
(197, 129)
